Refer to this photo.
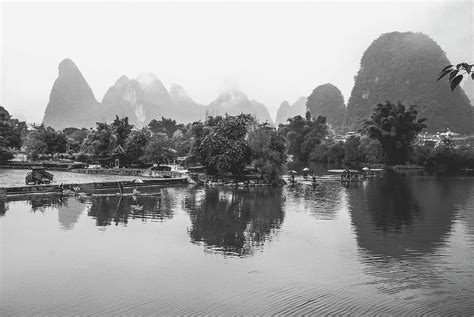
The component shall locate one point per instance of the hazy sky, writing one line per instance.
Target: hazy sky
(272, 51)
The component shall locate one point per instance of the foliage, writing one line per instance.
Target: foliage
(159, 150)
(222, 146)
(303, 135)
(165, 125)
(5, 155)
(395, 127)
(44, 140)
(327, 100)
(136, 143)
(268, 151)
(404, 67)
(101, 141)
(121, 128)
(12, 131)
(456, 73)
(75, 137)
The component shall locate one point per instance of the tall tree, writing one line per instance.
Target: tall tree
(122, 129)
(395, 127)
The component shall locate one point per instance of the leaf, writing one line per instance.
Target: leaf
(449, 66)
(472, 76)
(468, 68)
(453, 74)
(444, 73)
(455, 82)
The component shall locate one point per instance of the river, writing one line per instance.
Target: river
(399, 244)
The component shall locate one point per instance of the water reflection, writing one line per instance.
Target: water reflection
(398, 215)
(323, 201)
(3, 207)
(234, 222)
(118, 210)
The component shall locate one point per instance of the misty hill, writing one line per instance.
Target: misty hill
(327, 100)
(186, 109)
(288, 111)
(234, 102)
(141, 100)
(404, 67)
(71, 101)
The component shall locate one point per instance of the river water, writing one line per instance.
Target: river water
(392, 245)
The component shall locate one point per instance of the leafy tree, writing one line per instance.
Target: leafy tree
(12, 131)
(223, 147)
(303, 135)
(5, 155)
(352, 151)
(101, 141)
(395, 127)
(75, 137)
(268, 151)
(457, 73)
(136, 143)
(159, 150)
(165, 125)
(122, 129)
(44, 140)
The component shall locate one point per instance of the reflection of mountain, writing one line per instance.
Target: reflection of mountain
(234, 222)
(398, 216)
(121, 209)
(69, 213)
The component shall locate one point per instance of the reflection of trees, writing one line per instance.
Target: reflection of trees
(401, 215)
(323, 201)
(43, 202)
(234, 221)
(3, 207)
(399, 222)
(106, 209)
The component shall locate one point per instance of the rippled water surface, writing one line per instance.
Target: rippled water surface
(392, 245)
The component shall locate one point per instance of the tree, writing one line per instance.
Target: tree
(101, 141)
(165, 125)
(5, 155)
(122, 129)
(136, 143)
(268, 151)
(223, 147)
(395, 127)
(303, 135)
(44, 140)
(456, 73)
(159, 150)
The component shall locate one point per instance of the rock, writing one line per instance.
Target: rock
(71, 102)
(298, 108)
(404, 67)
(327, 100)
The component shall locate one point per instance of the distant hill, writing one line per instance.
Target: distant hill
(73, 104)
(71, 101)
(141, 100)
(327, 100)
(234, 102)
(186, 109)
(288, 111)
(404, 67)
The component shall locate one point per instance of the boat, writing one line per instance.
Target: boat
(127, 187)
(349, 175)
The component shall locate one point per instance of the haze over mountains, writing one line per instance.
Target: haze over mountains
(396, 67)
(72, 102)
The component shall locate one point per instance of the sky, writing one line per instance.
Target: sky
(272, 51)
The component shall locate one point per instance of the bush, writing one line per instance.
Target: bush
(5, 155)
